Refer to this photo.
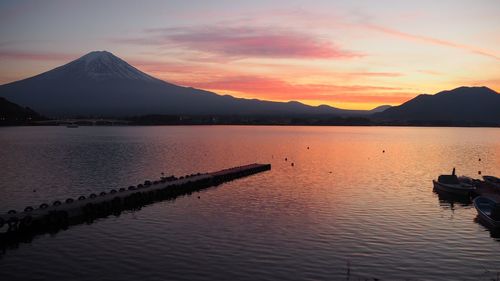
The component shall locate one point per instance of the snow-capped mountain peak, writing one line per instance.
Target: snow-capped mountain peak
(99, 66)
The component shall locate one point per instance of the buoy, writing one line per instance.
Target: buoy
(56, 203)
(308, 147)
(293, 164)
(93, 195)
(11, 212)
(69, 200)
(81, 198)
(112, 191)
(122, 189)
(479, 159)
(28, 209)
(383, 151)
(478, 172)
(286, 159)
(44, 206)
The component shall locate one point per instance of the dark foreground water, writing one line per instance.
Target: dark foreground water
(343, 202)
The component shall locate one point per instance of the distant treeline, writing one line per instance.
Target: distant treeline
(12, 114)
(246, 120)
(320, 120)
(29, 117)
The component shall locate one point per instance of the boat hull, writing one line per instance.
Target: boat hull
(492, 181)
(483, 207)
(455, 189)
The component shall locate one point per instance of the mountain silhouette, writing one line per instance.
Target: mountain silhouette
(380, 108)
(11, 113)
(99, 83)
(462, 105)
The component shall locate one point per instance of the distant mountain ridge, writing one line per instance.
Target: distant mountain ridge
(99, 83)
(463, 104)
(380, 108)
(11, 113)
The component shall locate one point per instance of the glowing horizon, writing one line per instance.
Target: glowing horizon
(343, 54)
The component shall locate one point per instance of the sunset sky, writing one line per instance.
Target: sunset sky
(347, 54)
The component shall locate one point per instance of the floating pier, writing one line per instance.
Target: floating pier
(59, 215)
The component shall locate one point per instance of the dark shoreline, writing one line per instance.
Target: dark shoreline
(258, 124)
(239, 120)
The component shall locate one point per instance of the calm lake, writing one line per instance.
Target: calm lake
(344, 210)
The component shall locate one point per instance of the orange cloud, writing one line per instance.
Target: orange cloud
(280, 90)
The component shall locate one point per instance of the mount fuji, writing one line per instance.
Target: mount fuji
(99, 83)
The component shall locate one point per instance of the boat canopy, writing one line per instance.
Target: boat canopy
(448, 179)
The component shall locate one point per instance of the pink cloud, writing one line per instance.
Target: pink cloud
(243, 42)
(42, 56)
(338, 21)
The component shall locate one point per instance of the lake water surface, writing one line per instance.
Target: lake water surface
(344, 204)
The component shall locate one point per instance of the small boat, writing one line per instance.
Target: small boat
(451, 184)
(468, 180)
(488, 211)
(493, 181)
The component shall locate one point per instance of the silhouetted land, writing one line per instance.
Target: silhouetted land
(12, 114)
(295, 120)
(173, 120)
(461, 107)
(100, 83)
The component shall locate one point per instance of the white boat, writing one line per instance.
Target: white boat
(493, 181)
(451, 184)
(488, 211)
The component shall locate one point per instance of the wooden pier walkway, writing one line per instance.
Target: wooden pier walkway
(72, 211)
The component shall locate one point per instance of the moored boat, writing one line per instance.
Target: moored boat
(488, 211)
(468, 180)
(492, 181)
(451, 184)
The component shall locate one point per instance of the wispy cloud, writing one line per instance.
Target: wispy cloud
(40, 56)
(360, 20)
(245, 42)
(374, 74)
(431, 40)
(430, 72)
